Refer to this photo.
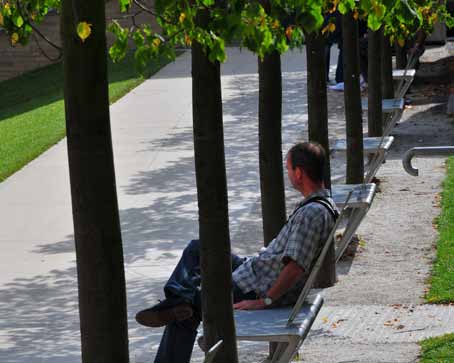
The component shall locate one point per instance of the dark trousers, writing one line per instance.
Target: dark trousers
(340, 65)
(362, 62)
(183, 285)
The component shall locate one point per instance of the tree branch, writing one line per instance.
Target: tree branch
(50, 42)
(36, 30)
(43, 52)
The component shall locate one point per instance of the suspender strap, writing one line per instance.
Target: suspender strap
(324, 202)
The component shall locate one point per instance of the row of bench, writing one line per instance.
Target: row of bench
(289, 326)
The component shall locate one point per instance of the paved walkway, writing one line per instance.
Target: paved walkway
(152, 136)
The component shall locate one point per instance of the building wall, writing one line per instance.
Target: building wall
(19, 59)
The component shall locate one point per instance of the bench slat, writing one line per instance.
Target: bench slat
(270, 324)
(389, 105)
(362, 196)
(404, 74)
(370, 144)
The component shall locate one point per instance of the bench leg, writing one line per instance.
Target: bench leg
(289, 352)
(392, 122)
(355, 220)
(373, 166)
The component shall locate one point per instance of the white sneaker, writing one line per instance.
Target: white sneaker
(338, 87)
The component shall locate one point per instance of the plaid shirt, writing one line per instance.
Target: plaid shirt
(300, 239)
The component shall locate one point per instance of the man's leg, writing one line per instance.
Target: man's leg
(181, 289)
(177, 341)
(185, 280)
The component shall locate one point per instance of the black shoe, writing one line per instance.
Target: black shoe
(164, 313)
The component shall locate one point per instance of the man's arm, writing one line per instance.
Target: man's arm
(289, 275)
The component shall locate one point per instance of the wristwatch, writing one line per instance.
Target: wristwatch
(268, 301)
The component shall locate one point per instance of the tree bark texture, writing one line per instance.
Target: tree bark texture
(401, 56)
(211, 180)
(317, 103)
(317, 100)
(387, 69)
(100, 269)
(375, 113)
(270, 145)
(352, 98)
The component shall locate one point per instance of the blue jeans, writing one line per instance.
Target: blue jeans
(183, 285)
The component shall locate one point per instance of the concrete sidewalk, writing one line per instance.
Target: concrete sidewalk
(152, 135)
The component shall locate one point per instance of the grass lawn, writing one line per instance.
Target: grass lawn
(442, 280)
(32, 117)
(438, 350)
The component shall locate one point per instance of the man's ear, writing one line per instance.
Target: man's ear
(299, 173)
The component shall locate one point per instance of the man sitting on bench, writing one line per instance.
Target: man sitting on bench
(273, 277)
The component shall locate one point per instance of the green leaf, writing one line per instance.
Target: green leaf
(18, 21)
(124, 5)
(217, 51)
(208, 2)
(7, 10)
(342, 8)
(373, 22)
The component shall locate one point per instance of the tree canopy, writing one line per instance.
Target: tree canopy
(277, 28)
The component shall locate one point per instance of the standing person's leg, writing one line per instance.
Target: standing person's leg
(327, 60)
(363, 57)
(340, 65)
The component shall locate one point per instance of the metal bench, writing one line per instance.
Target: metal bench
(209, 356)
(270, 325)
(389, 105)
(376, 147)
(424, 151)
(405, 78)
(358, 204)
(288, 326)
(392, 109)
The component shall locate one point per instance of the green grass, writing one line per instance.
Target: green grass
(438, 350)
(442, 280)
(32, 110)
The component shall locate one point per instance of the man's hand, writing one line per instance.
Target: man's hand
(250, 305)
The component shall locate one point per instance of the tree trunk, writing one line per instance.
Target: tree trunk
(317, 103)
(375, 114)
(215, 261)
(401, 57)
(270, 146)
(100, 270)
(352, 99)
(387, 69)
